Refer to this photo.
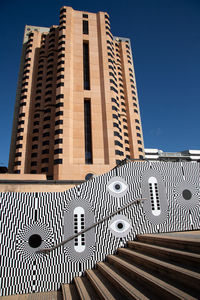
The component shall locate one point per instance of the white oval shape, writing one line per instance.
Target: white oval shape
(117, 187)
(120, 226)
(155, 201)
(79, 225)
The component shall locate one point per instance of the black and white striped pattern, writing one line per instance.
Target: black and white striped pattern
(23, 270)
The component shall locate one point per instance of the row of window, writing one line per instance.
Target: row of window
(44, 160)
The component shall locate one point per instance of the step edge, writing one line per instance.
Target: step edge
(181, 252)
(155, 280)
(96, 286)
(126, 285)
(160, 262)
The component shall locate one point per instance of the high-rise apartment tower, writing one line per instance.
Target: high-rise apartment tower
(76, 108)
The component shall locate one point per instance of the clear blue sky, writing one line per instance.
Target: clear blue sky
(165, 36)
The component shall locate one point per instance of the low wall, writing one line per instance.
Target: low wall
(34, 221)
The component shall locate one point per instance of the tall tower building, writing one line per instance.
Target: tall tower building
(76, 108)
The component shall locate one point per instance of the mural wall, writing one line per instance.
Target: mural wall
(33, 221)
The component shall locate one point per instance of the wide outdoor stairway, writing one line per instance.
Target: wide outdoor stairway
(158, 266)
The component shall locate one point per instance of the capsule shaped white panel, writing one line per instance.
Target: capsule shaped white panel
(78, 216)
(154, 196)
(79, 225)
(156, 204)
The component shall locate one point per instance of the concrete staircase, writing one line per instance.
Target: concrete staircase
(158, 266)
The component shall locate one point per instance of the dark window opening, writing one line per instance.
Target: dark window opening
(88, 131)
(85, 27)
(58, 161)
(59, 150)
(86, 68)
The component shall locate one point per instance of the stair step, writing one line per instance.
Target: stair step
(85, 289)
(186, 277)
(191, 245)
(162, 289)
(127, 289)
(191, 260)
(102, 286)
(69, 292)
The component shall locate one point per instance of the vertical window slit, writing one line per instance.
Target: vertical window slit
(88, 131)
(86, 66)
(85, 27)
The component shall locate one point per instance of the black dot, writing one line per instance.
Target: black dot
(117, 186)
(35, 240)
(120, 225)
(187, 195)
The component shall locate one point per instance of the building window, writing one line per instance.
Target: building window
(62, 27)
(21, 122)
(117, 143)
(36, 123)
(19, 138)
(45, 151)
(58, 122)
(18, 154)
(59, 96)
(46, 134)
(45, 160)
(34, 163)
(58, 161)
(86, 68)
(58, 141)
(57, 151)
(140, 149)
(59, 113)
(33, 172)
(85, 27)
(60, 77)
(60, 104)
(118, 152)
(88, 131)
(47, 119)
(17, 171)
(46, 126)
(58, 131)
(60, 84)
(85, 16)
(63, 10)
(35, 130)
(44, 169)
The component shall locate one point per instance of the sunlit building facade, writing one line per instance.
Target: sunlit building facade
(76, 108)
